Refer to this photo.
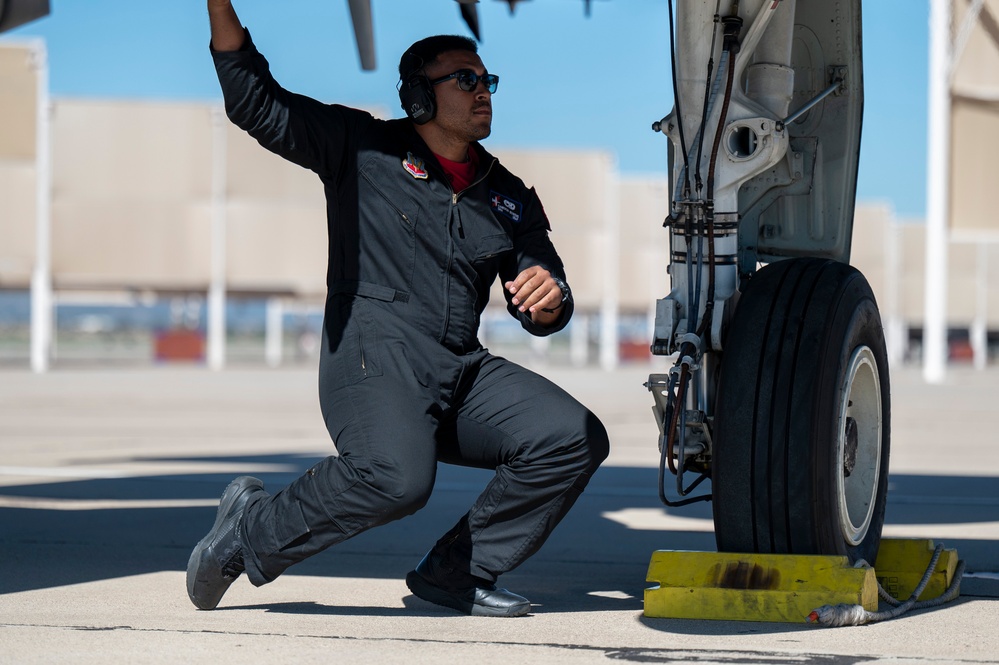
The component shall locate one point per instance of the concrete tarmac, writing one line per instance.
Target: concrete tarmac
(109, 476)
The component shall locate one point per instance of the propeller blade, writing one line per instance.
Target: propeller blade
(470, 13)
(18, 12)
(364, 32)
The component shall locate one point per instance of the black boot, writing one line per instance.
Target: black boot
(471, 596)
(217, 560)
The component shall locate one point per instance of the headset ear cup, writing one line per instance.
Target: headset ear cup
(418, 100)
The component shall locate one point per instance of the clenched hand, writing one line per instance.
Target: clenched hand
(535, 290)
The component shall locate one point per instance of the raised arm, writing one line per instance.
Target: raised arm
(300, 129)
(227, 31)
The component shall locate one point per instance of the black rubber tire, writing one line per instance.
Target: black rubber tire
(804, 353)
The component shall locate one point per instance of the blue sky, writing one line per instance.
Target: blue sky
(567, 80)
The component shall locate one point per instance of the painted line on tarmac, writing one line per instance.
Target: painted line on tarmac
(907, 499)
(961, 531)
(655, 519)
(145, 469)
(63, 472)
(33, 503)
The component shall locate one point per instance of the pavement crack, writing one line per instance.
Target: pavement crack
(626, 654)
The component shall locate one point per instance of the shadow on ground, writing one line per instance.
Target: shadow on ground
(591, 563)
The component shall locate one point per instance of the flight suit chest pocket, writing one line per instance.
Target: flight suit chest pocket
(491, 246)
(387, 233)
(395, 199)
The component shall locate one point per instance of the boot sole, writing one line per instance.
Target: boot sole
(200, 555)
(423, 589)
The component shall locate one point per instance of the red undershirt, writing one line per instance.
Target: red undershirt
(461, 174)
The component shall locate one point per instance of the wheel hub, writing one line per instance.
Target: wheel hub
(850, 449)
(859, 445)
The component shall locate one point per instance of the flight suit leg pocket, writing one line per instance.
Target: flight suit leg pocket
(368, 345)
(356, 354)
(291, 531)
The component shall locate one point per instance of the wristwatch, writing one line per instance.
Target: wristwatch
(566, 294)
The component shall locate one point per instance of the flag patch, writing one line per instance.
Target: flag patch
(506, 206)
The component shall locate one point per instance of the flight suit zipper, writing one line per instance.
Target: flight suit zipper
(481, 178)
(456, 195)
(447, 281)
(456, 216)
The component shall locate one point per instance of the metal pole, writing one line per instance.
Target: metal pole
(891, 312)
(274, 331)
(217, 283)
(610, 302)
(579, 339)
(980, 324)
(41, 277)
(937, 194)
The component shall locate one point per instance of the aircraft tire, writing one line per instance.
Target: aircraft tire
(802, 425)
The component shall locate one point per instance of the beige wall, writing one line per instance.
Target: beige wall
(17, 224)
(275, 219)
(575, 188)
(644, 243)
(973, 282)
(18, 103)
(131, 199)
(18, 111)
(975, 118)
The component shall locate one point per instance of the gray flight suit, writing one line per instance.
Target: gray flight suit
(403, 381)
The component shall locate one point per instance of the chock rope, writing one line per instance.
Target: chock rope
(855, 615)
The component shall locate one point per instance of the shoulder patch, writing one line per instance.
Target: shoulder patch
(504, 205)
(414, 166)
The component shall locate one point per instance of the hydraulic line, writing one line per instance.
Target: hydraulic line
(666, 456)
(681, 444)
(671, 410)
(676, 103)
(708, 87)
(675, 415)
(730, 46)
(854, 615)
(694, 271)
(710, 93)
(678, 381)
(733, 25)
(666, 453)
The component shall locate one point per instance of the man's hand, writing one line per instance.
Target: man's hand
(535, 290)
(227, 31)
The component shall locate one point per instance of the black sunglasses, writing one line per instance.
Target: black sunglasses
(469, 80)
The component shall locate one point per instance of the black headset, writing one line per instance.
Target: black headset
(417, 95)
